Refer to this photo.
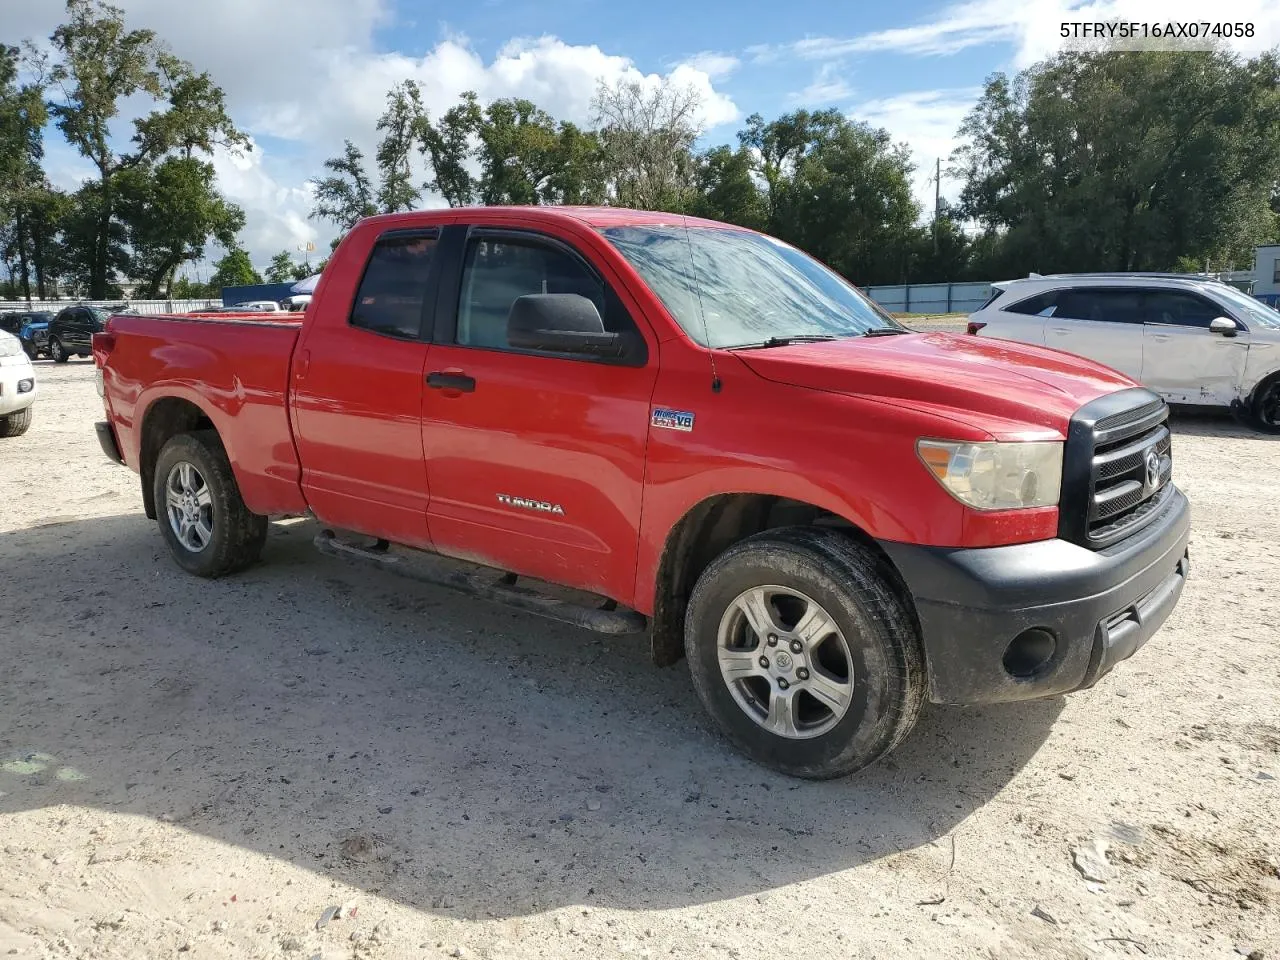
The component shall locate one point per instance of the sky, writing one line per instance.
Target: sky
(303, 75)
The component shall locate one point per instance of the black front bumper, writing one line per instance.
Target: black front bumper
(1099, 605)
(107, 438)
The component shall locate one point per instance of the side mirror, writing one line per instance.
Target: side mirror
(560, 323)
(1224, 326)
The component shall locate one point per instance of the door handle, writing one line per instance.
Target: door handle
(1060, 331)
(1161, 337)
(454, 380)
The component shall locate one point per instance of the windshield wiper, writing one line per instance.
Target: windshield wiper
(884, 331)
(791, 338)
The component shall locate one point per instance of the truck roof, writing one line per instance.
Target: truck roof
(592, 216)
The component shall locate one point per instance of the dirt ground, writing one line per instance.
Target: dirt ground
(197, 769)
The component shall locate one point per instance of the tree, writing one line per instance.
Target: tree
(1125, 161)
(103, 64)
(23, 187)
(282, 268)
(403, 125)
(839, 190)
(234, 270)
(171, 210)
(346, 196)
(726, 189)
(447, 147)
(647, 132)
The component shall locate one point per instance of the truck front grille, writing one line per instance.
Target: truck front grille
(1117, 466)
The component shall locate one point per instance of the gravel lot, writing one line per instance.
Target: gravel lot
(203, 768)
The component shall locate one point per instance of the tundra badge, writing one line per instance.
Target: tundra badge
(540, 506)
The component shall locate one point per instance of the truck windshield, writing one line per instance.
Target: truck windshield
(734, 288)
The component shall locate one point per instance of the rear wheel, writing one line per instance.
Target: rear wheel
(1266, 405)
(804, 653)
(203, 519)
(16, 424)
(57, 352)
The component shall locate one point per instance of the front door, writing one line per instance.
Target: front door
(536, 460)
(1182, 359)
(357, 394)
(1100, 323)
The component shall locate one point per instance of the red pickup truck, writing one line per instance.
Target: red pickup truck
(701, 432)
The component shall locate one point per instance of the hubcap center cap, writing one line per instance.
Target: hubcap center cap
(783, 660)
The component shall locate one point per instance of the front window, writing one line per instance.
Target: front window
(1254, 310)
(731, 288)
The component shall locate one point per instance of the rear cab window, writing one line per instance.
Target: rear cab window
(392, 295)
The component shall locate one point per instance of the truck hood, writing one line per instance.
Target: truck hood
(989, 383)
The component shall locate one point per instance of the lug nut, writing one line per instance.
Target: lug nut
(782, 684)
(802, 674)
(773, 639)
(764, 662)
(796, 646)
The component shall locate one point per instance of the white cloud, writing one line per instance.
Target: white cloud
(927, 121)
(715, 65)
(306, 72)
(1033, 27)
(828, 86)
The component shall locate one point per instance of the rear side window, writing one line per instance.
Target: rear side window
(393, 290)
(1041, 305)
(1176, 308)
(1100, 306)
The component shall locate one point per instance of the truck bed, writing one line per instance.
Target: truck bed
(231, 369)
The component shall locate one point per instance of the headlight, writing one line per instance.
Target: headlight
(996, 476)
(10, 346)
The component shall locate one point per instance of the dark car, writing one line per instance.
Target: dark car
(71, 332)
(33, 331)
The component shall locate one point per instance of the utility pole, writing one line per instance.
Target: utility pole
(937, 203)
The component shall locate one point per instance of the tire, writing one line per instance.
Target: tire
(16, 424)
(869, 625)
(57, 352)
(1264, 408)
(235, 534)
(30, 350)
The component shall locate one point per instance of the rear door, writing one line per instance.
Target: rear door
(1100, 323)
(357, 393)
(1182, 359)
(536, 460)
(1022, 320)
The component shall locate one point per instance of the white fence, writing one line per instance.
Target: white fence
(134, 306)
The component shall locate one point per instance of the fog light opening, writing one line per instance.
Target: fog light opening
(1029, 653)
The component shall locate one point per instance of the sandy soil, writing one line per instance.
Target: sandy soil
(202, 769)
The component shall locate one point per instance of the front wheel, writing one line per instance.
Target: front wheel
(203, 519)
(57, 352)
(16, 424)
(1266, 405)
(804, 653)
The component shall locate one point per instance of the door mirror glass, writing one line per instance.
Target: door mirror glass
(560, 323)
(1223, 325)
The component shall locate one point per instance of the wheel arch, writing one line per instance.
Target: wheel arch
(165, 418)
(714, 524)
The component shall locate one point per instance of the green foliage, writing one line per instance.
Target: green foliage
(234, 270)
(1125, 161)
(282, 268)
(346, 196)
(101, 64)
(403, 125)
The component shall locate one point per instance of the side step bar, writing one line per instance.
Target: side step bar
(608, 618)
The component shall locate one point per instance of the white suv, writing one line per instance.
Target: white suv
(17, 387)
(1193, 341)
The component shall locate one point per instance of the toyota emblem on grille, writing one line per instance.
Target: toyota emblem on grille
(1153, 469)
